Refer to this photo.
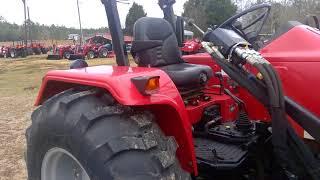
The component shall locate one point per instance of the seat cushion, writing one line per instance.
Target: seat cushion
(185, 75)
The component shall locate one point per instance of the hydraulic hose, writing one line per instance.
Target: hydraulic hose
(292, 154)
(269, 85)
(244, 80)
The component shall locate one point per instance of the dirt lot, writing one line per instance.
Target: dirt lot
(19, 83)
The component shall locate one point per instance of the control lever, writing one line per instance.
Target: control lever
(191, 22)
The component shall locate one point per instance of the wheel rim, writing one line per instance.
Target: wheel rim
(104, 53)
(91, 55)
(60, 164)
(67, 55)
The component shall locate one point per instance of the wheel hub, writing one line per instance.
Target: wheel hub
(60, 164)
(12, 54)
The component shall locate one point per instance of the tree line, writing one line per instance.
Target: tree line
(206, 13)
(15, 32)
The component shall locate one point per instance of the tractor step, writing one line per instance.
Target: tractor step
(217, 155)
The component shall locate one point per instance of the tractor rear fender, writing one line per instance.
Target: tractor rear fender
(100, 47)
(167, 104)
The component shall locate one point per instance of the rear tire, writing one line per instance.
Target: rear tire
(91, 55)
(23, 53)
(13, 53)
(103, 53)
(109, 140)
(44, 50)
(37, 51)
(67, 54)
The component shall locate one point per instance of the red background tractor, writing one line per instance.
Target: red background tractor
(191, 46)
(60, 51)
(4, 51)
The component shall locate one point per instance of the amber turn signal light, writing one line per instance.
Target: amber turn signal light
(147, 85)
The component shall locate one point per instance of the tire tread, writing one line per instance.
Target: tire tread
(143, 136)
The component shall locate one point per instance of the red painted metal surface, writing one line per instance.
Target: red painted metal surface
(296, 57)
(191, 46)
(61, 49)
(167, 104)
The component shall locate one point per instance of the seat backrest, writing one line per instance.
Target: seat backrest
(155, 43)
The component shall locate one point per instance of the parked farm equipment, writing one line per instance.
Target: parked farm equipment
(37, 48)
(4, 52)
(94, 47)
(18, 51)
(61, 51)
(191, 46)
(224, 117)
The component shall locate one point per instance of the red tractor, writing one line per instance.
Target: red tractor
(236, 114)
(37, 48)
(4, 52)
(96, 46)
(18, 50)
(191, 46)
(60, 52)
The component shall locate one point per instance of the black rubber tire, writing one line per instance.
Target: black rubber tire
(103, 53)
(24, 53)
(37, 51)
(13, 53)
(109, 140)
(91, 55)
(67, 54)
(44, 50)
(29, 51)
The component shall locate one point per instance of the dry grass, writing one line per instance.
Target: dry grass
(21, 75)
(20, 80)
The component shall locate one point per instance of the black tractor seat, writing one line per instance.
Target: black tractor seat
(155, 45)
(186, 75)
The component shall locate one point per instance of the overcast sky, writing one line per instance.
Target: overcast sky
(64, 12)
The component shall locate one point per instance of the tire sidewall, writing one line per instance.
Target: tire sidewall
(66, 54)
(90, 55)
(104, 53)
(82, 122)
(47, 141)
(13, 54)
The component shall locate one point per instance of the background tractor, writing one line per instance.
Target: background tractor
(18, 50)
(4, 51)
(60, 52)
(229, 113)
(37, 48)
(96, 46)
